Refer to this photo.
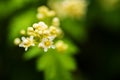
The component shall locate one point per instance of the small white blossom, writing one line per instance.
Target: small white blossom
(56, 22)
(27, 42)
(61, 46)
(46, 33)
(40, 16)
(46, 43)
(43, 25)
(43, 10)
(36, 25)
(30, 31)
(40, 26)
(17, 41)
(55, 31)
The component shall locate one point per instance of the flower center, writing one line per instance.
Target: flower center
(47, 43)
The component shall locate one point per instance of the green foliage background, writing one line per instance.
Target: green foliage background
(94, 42)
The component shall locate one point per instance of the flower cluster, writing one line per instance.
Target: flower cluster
(44, 12)
(41, 34)
(71, 8)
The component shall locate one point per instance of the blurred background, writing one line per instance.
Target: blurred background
(97, 36)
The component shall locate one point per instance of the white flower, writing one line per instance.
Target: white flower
(56, 22)
(43, 25)
(46, 33)
(46, 43)
(43, 9)
(55, 31)
(30, 31)
(61, 46)
(40, 26)
(36, 25)
(27, 42)
(17, 41)
(40, 16)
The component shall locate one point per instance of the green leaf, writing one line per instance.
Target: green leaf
(59, 74)
(50, 72)
(20, 22)
(32, 53)
(44, 61)
(67, 62)
(56, 66)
